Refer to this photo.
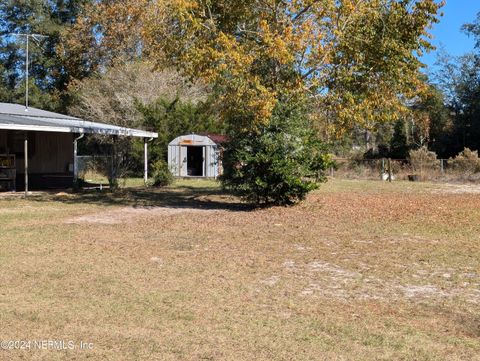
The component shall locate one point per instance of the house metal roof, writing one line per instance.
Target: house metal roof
(16, 117)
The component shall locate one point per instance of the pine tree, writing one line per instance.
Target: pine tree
(49, 77)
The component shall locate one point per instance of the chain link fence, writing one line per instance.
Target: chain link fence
(442, 170)
(92, 168)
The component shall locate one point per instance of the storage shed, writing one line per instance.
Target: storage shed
(38, 148)
(196, 155)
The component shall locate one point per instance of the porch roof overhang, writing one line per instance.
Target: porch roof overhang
(16, 117)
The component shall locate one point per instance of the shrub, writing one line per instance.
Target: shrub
(466, 161)
(161, 174)
(277, 164)
(423, 160)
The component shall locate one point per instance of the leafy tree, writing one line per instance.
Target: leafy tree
(399, 146)
(473, 29)
(107, 33)
(427, 124)
(49, 75)
(459, 80)
(452, 80)
(467, 124)
(358, 58)
(433, 105)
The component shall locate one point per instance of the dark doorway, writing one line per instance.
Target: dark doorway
(195, 161)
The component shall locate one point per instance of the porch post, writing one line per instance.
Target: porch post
(113, 168)
(75, 160)
(26, 163)
(145, 166)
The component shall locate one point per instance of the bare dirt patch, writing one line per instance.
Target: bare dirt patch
(131, 214)
(458, 189)
(331, 281)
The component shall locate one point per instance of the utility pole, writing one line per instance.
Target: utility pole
(27, 58)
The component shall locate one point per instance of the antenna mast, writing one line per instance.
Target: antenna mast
(27, 37)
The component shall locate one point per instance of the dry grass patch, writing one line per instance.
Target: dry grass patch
(360, 271)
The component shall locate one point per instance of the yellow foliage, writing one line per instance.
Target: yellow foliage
(355, 60)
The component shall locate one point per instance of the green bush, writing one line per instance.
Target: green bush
(466, 161)
(277, 164)
(161, 174)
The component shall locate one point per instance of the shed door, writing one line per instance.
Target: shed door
(195, 161)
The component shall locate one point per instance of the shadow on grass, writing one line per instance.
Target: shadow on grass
(184, 196)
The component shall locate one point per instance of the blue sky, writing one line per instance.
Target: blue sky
(447, 33)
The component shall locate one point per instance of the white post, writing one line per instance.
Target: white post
(75, 162)
(145, 166)
(26, 75)
(75, 159)
(26, 164)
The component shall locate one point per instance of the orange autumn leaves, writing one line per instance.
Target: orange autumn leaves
(354, 61)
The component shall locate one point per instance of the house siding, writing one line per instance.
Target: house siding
(49, 154)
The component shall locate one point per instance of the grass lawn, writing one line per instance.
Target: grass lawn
(362, 270)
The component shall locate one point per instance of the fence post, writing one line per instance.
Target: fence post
(442, 166)
(389, 170)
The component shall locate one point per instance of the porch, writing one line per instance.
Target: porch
(38, 149)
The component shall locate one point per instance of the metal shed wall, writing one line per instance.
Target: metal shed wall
(178, 150)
